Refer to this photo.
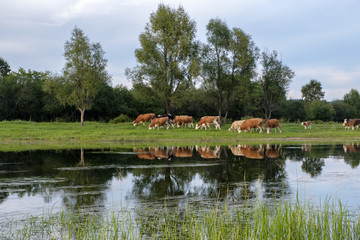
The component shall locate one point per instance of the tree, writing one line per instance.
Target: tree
(320, 110)
(274, 81)
(4, 68)
(216, 63)
(312, 91)
(353, 100)
(84, 72)
(229, 65)
(168, 55)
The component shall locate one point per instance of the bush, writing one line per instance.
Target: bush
(120, 119)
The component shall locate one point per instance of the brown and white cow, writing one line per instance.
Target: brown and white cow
(272, 123)
(252, 123)
(160, 122)
(351, 123)
(182, 120)
(206, 121)
(236, 125)
(306, 124)
(142, 118)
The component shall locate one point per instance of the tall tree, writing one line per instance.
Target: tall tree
(312, 91)
(4, 67)
(229, 64)
(84, 72)
(243, 57)
(167, 56)
(216, 63)
(274, 81)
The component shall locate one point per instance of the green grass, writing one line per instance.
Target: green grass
(22, 135)
(283, 220)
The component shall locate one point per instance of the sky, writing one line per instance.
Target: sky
(317, 39)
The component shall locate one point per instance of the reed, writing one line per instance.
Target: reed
(281, 220)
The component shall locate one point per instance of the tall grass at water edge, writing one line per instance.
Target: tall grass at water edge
(283, 220)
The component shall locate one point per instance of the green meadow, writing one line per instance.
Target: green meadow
(23, 135)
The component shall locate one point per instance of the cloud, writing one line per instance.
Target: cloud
(335, 81)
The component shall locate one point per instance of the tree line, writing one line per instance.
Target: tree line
(227, 76)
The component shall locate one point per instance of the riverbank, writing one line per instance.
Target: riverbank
(22, 135)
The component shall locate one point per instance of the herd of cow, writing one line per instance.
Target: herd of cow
(157, 121)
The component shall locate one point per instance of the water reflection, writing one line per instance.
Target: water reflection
(95, 179)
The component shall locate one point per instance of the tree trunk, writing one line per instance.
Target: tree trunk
(82, 112)
(167, 106)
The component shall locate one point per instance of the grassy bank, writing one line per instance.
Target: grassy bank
(282, 221)
(21, 135)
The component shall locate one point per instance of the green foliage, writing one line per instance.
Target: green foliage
(229, 63)
(120, 119)
(84, 72)
(4, 68)
(293, 110)
(168, 55)
(342, 110)
(353, 100)
(21, 95)
(274, 81)
(320, 110)
(312, 91)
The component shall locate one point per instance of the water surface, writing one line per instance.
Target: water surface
(102, 180)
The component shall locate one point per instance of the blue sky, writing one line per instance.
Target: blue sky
(316, 39)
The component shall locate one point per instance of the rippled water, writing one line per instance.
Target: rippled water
(102, 180)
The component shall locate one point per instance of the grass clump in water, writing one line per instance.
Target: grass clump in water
(283, 220)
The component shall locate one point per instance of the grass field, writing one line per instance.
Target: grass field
(22, 135)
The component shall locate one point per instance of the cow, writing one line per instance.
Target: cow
(208, 153)
(183, 120)
(159, 122)
(236, 125)
(142, 118)
(351, 123)
(206, 121)
(306, 124)
(272, 123)
(252, 123)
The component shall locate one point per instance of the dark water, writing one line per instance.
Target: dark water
(102, 180)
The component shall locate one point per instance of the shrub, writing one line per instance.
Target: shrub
(120, 119)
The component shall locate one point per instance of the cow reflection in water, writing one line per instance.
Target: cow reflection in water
(164, 152)
(351, 147)
(183, 151)
(154, 152)
(256, 152)
(208, 152)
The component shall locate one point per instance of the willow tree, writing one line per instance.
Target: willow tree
(167, 61)
(84, 72)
